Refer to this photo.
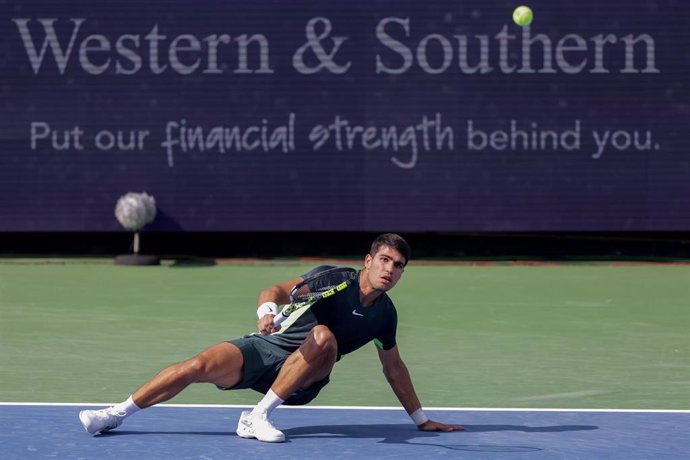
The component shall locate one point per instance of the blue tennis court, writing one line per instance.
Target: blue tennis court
(35, 431)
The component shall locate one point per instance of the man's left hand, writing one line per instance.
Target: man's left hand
(430, 425)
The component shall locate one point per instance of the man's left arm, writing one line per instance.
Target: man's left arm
(399, 379)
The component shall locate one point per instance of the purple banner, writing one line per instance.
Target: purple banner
(362, 116)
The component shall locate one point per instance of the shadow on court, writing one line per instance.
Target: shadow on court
(398, 434)
(404, 434)
(401, 433)
(390, 433)
(528, 429)
(118, 432)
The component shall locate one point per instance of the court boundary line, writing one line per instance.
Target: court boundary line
(465, 409)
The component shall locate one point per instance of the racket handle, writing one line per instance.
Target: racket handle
(278, 319)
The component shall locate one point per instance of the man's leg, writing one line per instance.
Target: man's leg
(311, 363)
(220, 364)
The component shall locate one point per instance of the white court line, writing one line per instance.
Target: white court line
(466, 409)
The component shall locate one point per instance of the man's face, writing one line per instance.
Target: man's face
(384, 268)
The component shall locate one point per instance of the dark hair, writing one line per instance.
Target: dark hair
(394, 241)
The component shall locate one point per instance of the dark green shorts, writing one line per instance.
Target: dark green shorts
(262, 363)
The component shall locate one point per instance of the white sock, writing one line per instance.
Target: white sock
(269, 402)
(128, 407)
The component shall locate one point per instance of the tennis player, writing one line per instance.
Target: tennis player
(291, 363)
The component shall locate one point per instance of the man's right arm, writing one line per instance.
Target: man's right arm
(278, 294)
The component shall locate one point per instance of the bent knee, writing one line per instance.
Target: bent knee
(323, 338)
(194, 369)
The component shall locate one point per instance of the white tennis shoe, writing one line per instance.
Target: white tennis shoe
(258, 426)
(99, 421)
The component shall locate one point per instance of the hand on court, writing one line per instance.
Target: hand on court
(265, 325)
(430, 425)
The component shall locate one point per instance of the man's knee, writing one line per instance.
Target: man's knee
(324, 339)
(320, 347)
(194, 369)
(220, 364)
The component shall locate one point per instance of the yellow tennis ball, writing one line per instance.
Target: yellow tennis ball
(523, 16)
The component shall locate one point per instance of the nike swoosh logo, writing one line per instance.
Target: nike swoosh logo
(354, 312)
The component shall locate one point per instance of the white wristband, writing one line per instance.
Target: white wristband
(267, 308)
(419, 417)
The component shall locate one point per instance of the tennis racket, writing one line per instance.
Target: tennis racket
(319, 286)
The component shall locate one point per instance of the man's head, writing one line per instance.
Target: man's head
(386, 261)
(393, 241)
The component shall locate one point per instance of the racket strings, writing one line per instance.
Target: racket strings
(313, 288)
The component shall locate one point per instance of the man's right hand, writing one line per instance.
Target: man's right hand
(265, 325)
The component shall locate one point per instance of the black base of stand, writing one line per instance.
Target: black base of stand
(137, 259)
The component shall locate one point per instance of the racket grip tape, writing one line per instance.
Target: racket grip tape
(279, 318)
